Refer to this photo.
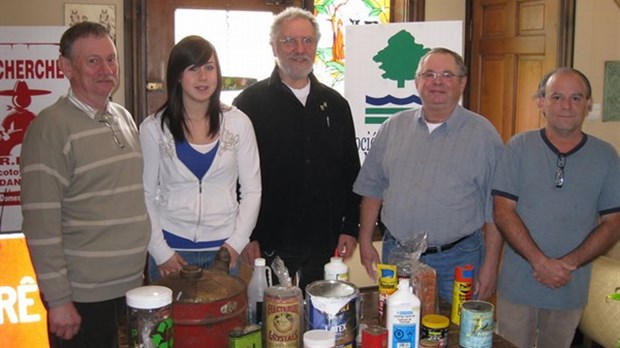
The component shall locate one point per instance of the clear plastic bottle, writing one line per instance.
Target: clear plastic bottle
(261, 280)
(403, 317)
(336, 269)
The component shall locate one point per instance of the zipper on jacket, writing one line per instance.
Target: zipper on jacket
(199, 211)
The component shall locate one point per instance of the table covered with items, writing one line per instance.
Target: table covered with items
(209, 308)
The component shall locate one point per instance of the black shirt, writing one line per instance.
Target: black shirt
(309, 161)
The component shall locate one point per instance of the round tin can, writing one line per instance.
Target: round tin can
(435, 327)
(282, 311)
(476, 324)
(374, 336)
(333, 305)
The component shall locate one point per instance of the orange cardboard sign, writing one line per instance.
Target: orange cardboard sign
(23, 318)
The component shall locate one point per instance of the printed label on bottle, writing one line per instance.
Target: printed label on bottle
(403, 336)
(282, 322)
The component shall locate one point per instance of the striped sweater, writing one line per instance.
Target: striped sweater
(82, 199)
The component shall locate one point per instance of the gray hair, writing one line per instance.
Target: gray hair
(78, 31)
(540, 92)
(460, 64)
(292, 13)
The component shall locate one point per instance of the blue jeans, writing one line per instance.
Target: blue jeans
(203, 259)
(468, 251)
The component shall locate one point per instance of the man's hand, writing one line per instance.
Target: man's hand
(173, 265)
(251, 252)
(64, 321)
(369, 257)
(553, 273)
(346, 246)
(484, 284)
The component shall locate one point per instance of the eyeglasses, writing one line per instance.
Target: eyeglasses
(290, 42)
(431, 75)
(559, 173)
(110, 122)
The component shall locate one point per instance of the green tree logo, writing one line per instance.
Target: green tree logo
(400, 58)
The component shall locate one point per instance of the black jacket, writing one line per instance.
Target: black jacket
(309, 161)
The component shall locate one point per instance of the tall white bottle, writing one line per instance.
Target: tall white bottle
(403, 317)
(336, 269)
(261, 280)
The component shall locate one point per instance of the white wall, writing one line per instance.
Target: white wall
(597, 39)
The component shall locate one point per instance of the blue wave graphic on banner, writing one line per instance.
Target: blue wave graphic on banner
(390, 99)
(380, 112)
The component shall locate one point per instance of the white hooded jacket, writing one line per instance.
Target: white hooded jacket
(208, 209)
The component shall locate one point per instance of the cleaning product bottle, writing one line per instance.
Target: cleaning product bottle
(403, 317)
(336, 269)
(261, 280)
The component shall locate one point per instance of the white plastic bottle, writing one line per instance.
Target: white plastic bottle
(261, 280)
(336, 269)
(403, 317)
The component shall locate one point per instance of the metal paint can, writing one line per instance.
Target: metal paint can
(333, 305)
(374, 336)
(476, 324)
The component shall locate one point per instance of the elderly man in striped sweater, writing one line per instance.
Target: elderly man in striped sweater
(82, 197)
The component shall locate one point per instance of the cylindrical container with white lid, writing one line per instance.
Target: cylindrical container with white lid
(336, 269)
(148, 316)
(319, 339)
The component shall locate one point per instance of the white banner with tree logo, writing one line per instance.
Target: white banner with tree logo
(380, 69)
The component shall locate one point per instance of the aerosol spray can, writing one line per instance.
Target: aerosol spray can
(463, 289)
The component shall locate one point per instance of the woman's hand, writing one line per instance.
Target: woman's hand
(234, 256)
(173, 265)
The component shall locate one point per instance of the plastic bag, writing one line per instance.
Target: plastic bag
(281, 272)
(406, 257)
(407, 253)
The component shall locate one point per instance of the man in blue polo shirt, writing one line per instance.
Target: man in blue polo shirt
(557, 203)
(430, 170)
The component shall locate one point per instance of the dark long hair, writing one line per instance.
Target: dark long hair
(192, 50)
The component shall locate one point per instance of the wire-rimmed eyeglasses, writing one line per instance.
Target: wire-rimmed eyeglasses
(431, 75)
(290, 42)
(110, 122)
(558, 179)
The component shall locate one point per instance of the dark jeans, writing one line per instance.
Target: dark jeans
(468, 251)
(305, 262)
(99, 328)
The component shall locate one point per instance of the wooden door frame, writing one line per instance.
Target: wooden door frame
(566, 38)
(135, 48)
(135, 67)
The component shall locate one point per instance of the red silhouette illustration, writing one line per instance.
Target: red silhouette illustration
(15, 123)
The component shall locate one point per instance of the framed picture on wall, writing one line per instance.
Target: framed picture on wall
(611, 93)
(102, 14)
